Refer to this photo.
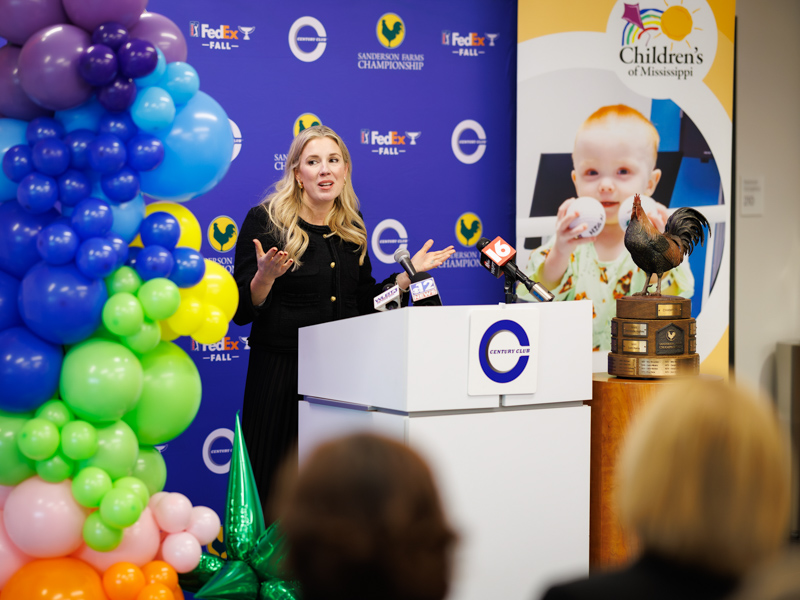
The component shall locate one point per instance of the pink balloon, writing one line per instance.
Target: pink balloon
(22, 18)
(91, 13)
(43, 519)
(140, 543)
(173, 512)
(156, 498)
(11, 557)
(182, 551)
(14, 102)
(48, 67)
(5, 490)
(204, 525)
(162, 33)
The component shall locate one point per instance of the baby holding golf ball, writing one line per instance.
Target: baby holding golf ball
(614, 157)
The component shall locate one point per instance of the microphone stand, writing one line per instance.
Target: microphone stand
(508, 286)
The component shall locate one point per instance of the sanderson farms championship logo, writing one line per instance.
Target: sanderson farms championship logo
(656, 46)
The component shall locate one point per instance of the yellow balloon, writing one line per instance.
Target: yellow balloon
(191, 235)
(198, 292)
(214, 327)
(189, 316)
(166, 332)
(221, 290)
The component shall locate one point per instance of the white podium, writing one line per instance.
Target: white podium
(513, 469)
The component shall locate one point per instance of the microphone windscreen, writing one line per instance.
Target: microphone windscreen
(400, 254)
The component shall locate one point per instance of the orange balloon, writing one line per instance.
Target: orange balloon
(123, 581)
(156, 591)
(54, 579)
(157, 571)
(178, 593)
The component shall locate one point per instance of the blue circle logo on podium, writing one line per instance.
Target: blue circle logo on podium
(467, 135)
(305, 47)
(391, 30)
(504, 360)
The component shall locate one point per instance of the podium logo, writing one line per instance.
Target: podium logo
(387, 238)
(319, 40)
(391, 30)
(460, 143)
(218, 450)
(222, 234)
(468, 229)
(305, 121)
(504, 351)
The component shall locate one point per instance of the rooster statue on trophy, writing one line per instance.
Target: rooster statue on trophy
(653, 335)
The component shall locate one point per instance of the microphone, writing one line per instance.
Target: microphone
(403, 257)
(423, 287)
(497, 257)
(389, 299)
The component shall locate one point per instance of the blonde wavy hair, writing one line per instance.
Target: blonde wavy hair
(284, 202)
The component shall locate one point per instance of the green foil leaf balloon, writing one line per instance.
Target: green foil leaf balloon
(276, 589)
(201, 574)
(234, 581)
(269, 554)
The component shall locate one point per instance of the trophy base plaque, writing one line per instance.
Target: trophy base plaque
(653, 337)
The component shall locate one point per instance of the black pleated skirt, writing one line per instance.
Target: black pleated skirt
(269, 415)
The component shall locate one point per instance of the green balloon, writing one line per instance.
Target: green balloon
(120, 508)
(160, 298)
(170, 395)
(151, 469)
(123, 314)
(56, 468)
(135, 485)
(117, 450)
(100, 380)
(125, 279)
(79, 440)
(147, 338)
(268, 559)
(197, 577)
(234, 581)
(90, 485)
(55, 411)
(276, 589)
(99, 536)
(38, 439)
(15, 467)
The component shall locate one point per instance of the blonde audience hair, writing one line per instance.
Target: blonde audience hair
(284, 202)
(607, 115)
(704, 477)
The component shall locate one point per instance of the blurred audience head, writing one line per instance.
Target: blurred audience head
(363, 519)
(704, 477)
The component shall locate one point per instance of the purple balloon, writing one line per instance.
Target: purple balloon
(22, 18)
(37, 193)
(29, 370)
(137, 58)
(14, 102)
(98, 65)
(18, 162)
(90, 14)
(163, 33)
(112, 34)
(118, 95)
(9, 290)
(19, 231)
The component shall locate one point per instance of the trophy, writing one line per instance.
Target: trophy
(654, 336)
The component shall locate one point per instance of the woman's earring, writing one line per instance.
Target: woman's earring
(300, 183)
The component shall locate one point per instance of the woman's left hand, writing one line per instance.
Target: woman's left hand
(425, 260)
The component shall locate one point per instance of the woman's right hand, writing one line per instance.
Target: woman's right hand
(271, 265)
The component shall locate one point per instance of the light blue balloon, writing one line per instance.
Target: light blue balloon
(12, 133)
(85, 116)
(181, 82)
(153, 110)
(197, 152)
(154, 77)
(127, 218)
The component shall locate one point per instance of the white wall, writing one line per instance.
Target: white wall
(767, 262)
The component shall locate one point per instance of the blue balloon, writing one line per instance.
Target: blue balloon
(190, 266)
(85, 116)
(60, 304)
(107, 154)
(12, 133)
(198, 150)
(120, 247)
(78, 143)
(154, 77)
(44, 128)
(96, 258)
(18, 162)
(120, 186)
(133, 254)
(153, 110)
(120, 124)
(29, 370)
(181, 82)
(160, 229)
(19, 231)
(154, 261)
(127, 218)
(92, 218)
(9, 291)
(73, 186)
(37, 193)
(110, 33)
(145, 152)
(50, 157)
(57, 243)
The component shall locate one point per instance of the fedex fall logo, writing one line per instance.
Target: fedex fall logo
(223, 36)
